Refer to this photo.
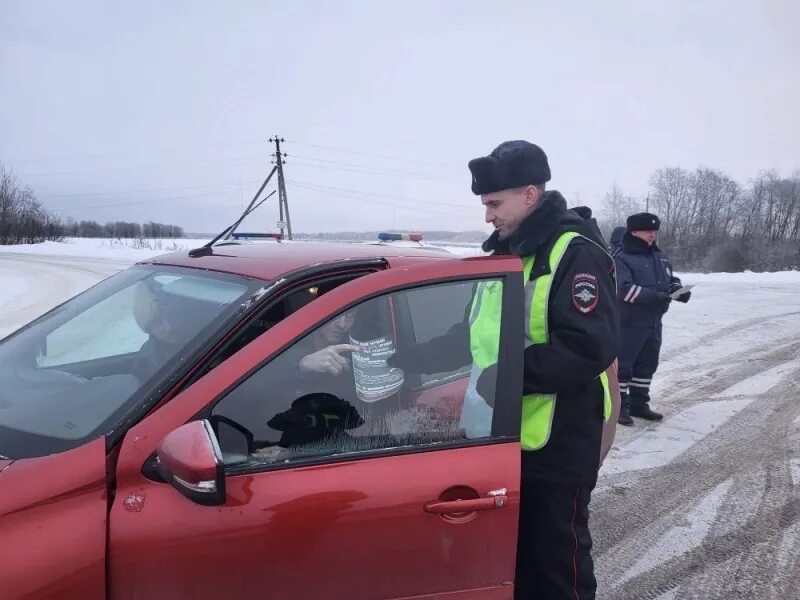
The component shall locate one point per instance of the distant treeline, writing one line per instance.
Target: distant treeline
(23, 220)
(120, 229)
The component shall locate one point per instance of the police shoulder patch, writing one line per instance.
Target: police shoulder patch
(585, 292)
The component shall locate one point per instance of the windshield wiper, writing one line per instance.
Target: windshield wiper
(205, 249)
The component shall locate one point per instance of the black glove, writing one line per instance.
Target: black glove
(445, 353)
(411, 360)
(663, 299)
(487, 383)
(405, 360)
(684, 297)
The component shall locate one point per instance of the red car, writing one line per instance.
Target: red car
(224, 423)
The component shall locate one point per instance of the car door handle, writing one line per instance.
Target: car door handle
(495, 500)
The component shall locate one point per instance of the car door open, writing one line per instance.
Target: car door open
(374, 488)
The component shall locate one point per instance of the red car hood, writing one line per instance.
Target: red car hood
(53, 513)
(29, 482)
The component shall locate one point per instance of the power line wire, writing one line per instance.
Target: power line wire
(312, 187)
(371, 154)
(382, 195)
(151, 190)
(144, 151)
(376, 202)
(376, 170)
(369, 172)
(149, 201)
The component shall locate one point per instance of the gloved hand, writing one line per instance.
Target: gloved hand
(405, 360)
(663, 299)
(674, 287)
(487, 383)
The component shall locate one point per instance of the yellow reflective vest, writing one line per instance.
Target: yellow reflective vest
(485, 317)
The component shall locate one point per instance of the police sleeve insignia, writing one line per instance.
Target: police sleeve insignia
(585, 292)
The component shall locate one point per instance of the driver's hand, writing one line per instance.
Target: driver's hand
(327, 360)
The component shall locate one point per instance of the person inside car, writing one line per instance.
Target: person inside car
(317, 386)
(323, 363)
(168, 323)
(329, 348)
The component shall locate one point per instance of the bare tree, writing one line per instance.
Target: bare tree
(671, 197)
(618, 206)
(22, 219)
(709, 221)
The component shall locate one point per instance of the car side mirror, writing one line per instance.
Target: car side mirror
(190, 460)
(235, 440)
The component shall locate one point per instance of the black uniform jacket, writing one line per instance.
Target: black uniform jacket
(643, 272)
(583, 329)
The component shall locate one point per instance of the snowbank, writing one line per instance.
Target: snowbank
(135, 250)
(132, 250)
(743, 278)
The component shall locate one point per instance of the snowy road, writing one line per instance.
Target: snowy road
(705, 504)
(32, 284)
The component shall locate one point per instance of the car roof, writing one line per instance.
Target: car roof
(270, 261)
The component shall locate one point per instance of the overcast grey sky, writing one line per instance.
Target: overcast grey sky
(161, 110)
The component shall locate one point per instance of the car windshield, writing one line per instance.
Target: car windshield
(72, 374)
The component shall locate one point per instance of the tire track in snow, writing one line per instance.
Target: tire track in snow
(750, 548)
(729, 330)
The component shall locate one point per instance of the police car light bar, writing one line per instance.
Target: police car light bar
(397, 237)
(260, 235)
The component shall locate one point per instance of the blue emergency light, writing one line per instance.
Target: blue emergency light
(260, 235)
(398, 237)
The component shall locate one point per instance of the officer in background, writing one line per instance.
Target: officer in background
(571, 338)
(644, 283)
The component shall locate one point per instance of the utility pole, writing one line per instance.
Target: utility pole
(285, 221)
(647, 203)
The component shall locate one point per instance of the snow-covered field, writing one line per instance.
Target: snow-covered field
(134, 249)
(37, 277)
(705, 504)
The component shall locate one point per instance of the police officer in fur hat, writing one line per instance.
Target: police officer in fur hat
(644, 284)
(571, 328)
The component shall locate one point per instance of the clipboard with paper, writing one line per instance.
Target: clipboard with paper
(680, 292)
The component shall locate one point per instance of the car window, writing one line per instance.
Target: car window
(276, 312)
(121, 323)
(71, 374)
(332, 392)
(452, 303)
